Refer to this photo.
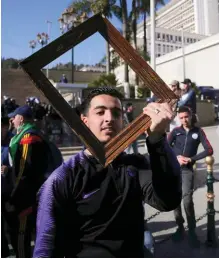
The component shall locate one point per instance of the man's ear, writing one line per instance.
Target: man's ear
(22, 118)
(84, 119)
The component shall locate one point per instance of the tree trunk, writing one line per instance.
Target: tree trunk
(134, 29)
(107, 58)
(125, 35)
(145, 35)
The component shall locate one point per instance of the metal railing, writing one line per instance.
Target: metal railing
(211, 240)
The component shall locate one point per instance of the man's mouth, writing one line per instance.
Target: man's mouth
(108, 129)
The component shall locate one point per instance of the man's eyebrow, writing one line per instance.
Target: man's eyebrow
(105, 108)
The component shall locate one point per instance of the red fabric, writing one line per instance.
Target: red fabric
(26, 212)
(210, 149)
(30, 140)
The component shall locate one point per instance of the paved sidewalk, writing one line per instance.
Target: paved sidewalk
(164, 225)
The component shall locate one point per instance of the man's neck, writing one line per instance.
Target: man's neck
(187, 128)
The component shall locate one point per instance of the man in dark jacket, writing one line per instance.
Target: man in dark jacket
(28, 156)
(185, 141)
(5, 179)
(188, 96)
(86, 210)
(130, 117)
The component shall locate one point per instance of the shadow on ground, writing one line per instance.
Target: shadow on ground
(169, 249)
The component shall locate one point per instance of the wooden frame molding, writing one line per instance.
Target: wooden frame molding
(97, 23)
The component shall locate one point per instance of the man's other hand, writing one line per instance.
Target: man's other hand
(161, 115)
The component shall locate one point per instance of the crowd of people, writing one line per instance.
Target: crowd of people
(46, 119)
(186, 95)
(79, 208)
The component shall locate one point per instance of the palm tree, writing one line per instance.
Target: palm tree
(106, 7)
(133, 21)
(125, 30)
(144, 8)
(140, 6)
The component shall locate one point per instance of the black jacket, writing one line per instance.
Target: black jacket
(186, 143)
(189, 101)
(86, 210)
(29, 167)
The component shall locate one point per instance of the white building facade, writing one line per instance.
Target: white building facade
(195, 16)
(191, 24)
(201, 64)
(167, 40)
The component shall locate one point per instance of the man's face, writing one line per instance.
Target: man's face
(17, 121)
(104, 117)
(130, 108)
(173, 88)
(185, 119)
(184, 87)
(4, 131)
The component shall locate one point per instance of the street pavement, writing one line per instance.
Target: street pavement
(163, 225)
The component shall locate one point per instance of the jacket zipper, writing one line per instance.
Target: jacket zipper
(187, 132)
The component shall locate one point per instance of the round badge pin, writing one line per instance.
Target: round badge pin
(194, 135)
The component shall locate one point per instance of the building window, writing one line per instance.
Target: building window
(158, 36)
(167, 38)
(168, 50)
(164, 37)
(159, 48)
(164, 48)
(179, 38)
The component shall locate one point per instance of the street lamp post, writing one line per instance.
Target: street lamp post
(42, 38)
(49, 24)
(153, 52)
(183, 54)
(152, 11)
(68, 20)
(32, 45)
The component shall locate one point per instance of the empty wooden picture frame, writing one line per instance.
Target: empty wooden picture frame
(97, 23)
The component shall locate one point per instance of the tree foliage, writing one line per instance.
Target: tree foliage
(104, 80)
(8, 63)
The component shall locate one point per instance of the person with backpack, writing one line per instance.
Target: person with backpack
(30, 157)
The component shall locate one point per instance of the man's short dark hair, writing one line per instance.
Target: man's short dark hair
(83, 108)
(128, 105)
(184, 109)
(187, 81)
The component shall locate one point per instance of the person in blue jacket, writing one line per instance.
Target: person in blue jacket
(188, 96)
(185, 141)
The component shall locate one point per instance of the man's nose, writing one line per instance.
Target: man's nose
(109, 116)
